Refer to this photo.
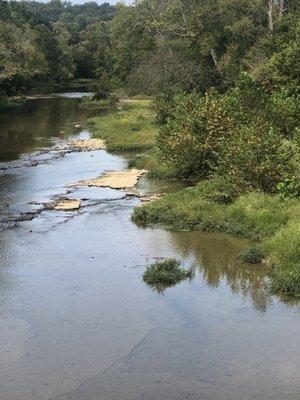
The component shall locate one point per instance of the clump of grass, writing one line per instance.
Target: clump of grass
(131, 128)
(152, 162)
(284, 253)
(253, 215)
(163, 274)
(251, 255)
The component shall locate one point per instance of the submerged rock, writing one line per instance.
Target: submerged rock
(115, 179)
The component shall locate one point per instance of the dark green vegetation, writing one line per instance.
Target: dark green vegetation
(166, 273)
(251, 255)
(45, 44)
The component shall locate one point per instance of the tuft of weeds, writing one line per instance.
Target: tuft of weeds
(251, 255)
(166, 273)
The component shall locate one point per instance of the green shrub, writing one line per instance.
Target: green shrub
(251, 255)
(236, 135)
(163, 105)
(190, 139)
(256, 157)
(285, 111)
(102, 88)
(163, 274)
(221, 189)
(289, 188)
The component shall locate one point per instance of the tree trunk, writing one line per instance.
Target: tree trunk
(214, 56)
(281, 8)
(270, 17)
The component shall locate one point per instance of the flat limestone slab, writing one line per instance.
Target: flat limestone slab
(87, 144)
(67, 205)
(115, 180)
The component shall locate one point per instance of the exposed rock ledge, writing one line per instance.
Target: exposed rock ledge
(61, 204)
(115, 180)
(87, 144)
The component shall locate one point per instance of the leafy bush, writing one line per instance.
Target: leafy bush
(234, 135)
(256, 156)
(285, 111)
(221, 189)
(165, 273)
(190, 139)
(102, 88)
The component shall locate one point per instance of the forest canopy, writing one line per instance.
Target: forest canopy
(186, 44)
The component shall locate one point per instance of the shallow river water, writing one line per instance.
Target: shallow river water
(77, 322)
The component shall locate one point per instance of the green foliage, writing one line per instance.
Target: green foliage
(289, 188)
(234, 136)
(166, 273)
(20, 59)
(152, 162)
(49, 43)
(102, 87)
(252, 255)
(190, 139)
(256, 156)
(285, 111)
(284, 253)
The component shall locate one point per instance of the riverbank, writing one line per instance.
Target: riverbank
(130, 128)
(44, 90)
(272, 222)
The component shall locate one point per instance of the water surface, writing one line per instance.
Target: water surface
(78, 323)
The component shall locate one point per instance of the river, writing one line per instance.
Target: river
(77, 322)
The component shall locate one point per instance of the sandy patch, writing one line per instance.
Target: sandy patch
(115, 180)
(87, 144)
(67, 205)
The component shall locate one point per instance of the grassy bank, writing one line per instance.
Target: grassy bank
(131, 128)
(274, 223)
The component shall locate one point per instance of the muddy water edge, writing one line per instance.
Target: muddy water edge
(77, 321)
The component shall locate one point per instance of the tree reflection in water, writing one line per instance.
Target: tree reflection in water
(215, 255)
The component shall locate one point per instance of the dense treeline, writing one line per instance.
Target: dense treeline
(51, 42)
(154, 44)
